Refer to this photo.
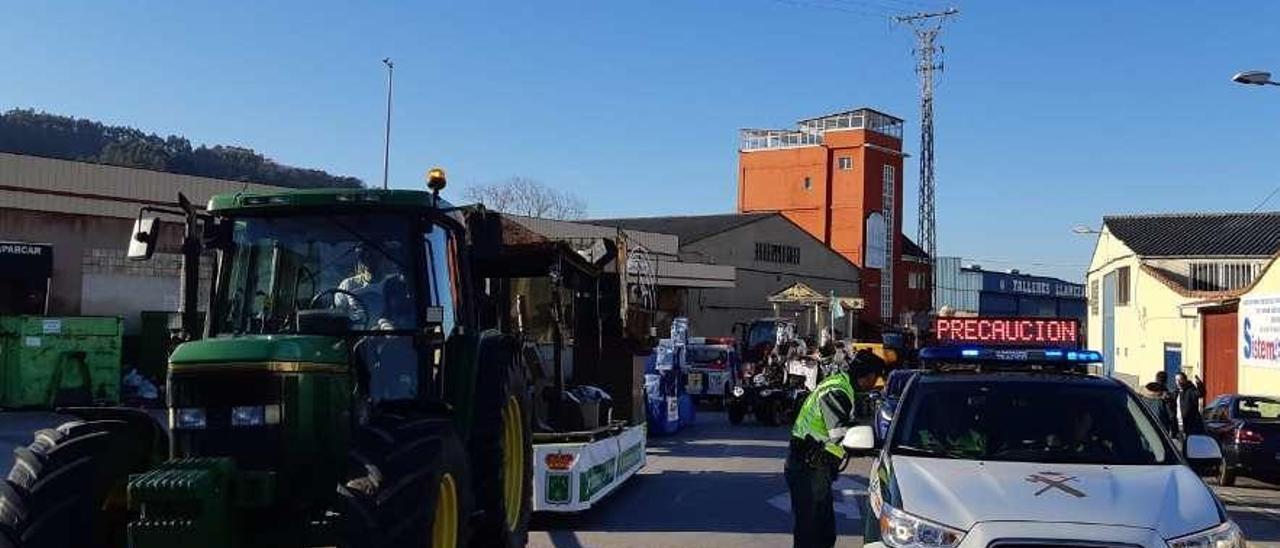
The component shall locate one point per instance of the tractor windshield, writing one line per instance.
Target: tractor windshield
(301, 273)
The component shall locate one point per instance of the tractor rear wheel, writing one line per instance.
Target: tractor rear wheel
(501, 446)
(67, 488)
(409, 484)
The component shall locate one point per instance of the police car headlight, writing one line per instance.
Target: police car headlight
(902, 530)
(738, 391)
(1227, 535)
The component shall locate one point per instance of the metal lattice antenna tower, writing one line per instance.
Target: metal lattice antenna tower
(927, 26)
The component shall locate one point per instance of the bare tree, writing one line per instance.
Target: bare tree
(524, 196)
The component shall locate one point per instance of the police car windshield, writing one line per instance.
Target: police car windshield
(1044, 419)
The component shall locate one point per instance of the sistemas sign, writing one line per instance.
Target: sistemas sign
(1259, 329)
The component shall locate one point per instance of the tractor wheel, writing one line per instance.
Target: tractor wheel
(501, 447)
(409, 484)
(67, 488)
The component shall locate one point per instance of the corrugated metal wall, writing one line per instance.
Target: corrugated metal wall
(62, 186)
(955, 287)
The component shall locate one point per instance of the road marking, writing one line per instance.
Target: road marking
(847, 491)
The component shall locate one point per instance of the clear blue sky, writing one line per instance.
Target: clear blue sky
(1048, 116)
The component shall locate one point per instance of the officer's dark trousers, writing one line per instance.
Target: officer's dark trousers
(812, 503)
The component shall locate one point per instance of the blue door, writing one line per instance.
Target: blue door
(1109, 324)
(1172, 359)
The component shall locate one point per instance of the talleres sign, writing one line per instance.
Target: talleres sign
(1259, 330)
(1008, 331)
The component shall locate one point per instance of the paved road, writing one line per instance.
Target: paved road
(712, 485)
(716, 485)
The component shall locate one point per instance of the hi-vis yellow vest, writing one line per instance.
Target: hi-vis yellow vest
(810, 424)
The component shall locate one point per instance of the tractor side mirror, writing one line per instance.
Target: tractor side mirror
(142, 243)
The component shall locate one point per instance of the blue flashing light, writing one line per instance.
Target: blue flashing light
(1009, 354)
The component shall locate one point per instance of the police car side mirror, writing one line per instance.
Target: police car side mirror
(1203, 448)
(859, 439)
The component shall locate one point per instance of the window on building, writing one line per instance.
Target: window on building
(875, 240)
(1219, 276)
(845, 163)
(807, 183)
(1122, 286)
(916, 280)
(1095, 300)
(777, 253)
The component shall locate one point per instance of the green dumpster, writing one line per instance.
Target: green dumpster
(47, 362)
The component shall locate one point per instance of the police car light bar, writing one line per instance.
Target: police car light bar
(1005, 355)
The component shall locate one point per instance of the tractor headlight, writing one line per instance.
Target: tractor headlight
(902, 530)
(738, 391)
(255, 415)
(1227, 535)
(188, 418)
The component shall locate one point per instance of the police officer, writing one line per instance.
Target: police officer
(816, 455)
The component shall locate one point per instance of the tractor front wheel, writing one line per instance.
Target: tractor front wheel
(67, 488)
(409, 484)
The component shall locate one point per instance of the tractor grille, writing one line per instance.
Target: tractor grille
(253, 447)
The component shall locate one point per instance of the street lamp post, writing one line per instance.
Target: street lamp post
(1254, 78)
(386, 141)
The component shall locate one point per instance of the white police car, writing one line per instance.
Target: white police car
(1009, 448)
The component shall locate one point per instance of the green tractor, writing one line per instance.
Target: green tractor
(340, 390)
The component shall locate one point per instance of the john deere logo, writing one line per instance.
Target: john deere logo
(1056, 480)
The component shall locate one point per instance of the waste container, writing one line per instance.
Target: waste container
(52, 361)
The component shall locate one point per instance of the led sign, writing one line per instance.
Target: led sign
(1057, 332)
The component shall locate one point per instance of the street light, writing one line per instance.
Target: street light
(387, 140)
(1081, 229)
(1254, 77)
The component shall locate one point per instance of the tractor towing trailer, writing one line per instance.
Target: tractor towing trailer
(348, 385)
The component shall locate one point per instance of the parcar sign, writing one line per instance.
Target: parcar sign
(1259, 319)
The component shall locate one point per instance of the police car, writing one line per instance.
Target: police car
(1004, 447)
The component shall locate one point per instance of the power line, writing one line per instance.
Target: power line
(1265, 200)
(833, 7)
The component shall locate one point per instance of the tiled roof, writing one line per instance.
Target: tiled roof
(1199, 234)
(688, 228)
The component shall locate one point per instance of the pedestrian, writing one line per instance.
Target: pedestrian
(1155, 396)
(1188, 406)
(816, 455)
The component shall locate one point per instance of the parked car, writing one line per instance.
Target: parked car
(1248, 429)
(889, 398)
(713, 368)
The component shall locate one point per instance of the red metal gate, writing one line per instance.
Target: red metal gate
(1219, 337)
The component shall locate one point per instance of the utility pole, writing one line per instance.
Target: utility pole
(927, 26)
(386, 141)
